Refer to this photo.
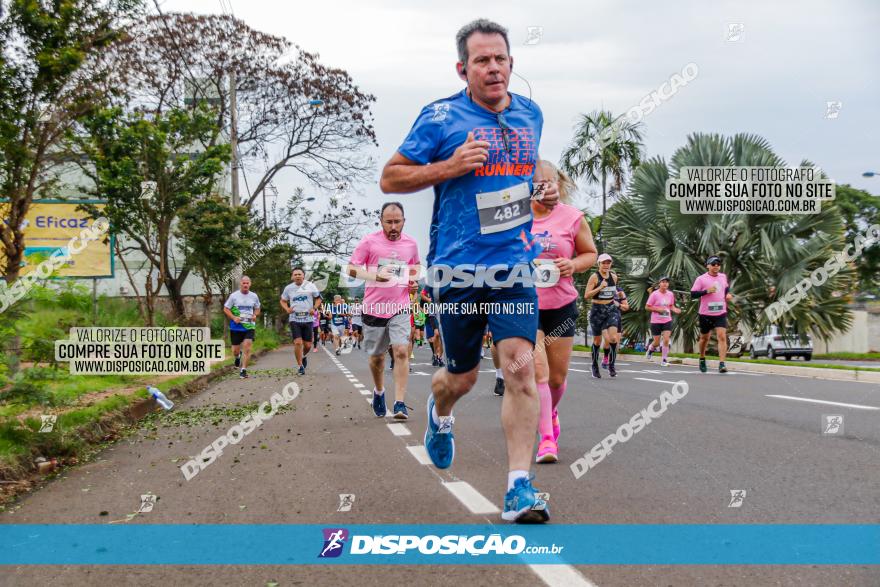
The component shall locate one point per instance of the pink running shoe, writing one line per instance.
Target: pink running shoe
(547, 451)
(556, 427)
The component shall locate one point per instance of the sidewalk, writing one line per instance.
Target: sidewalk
(789, 371)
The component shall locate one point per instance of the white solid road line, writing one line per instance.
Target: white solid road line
(561, 576)
(399, 429)
(420, 454)
(656, 380)
(819, 401)
(472, 499)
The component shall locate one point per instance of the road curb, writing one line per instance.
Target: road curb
(793, 371)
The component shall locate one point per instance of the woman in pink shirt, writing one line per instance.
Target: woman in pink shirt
(568, 246)
(661, 304)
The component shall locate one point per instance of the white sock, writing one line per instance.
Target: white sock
(499, 374)
(378, 391)
(512, 476)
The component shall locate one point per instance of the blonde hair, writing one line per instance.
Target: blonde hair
(566, 185)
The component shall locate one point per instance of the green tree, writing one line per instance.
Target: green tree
(860, 210)
(604, 148)
(44, 90)
(125, 150)
(269, 275)
(763, 255)
(217, 238)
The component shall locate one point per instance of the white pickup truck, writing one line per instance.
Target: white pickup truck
(777, 343)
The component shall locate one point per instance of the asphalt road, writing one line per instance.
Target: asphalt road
(728, 433)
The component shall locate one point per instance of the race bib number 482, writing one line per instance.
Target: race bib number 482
(504, 209)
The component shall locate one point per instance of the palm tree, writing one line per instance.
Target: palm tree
(763, 255)
(604, 147)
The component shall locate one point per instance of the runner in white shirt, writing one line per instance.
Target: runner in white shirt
(300, 300)
(242, 308)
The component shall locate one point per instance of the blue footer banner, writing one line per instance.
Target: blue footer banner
(601, 544)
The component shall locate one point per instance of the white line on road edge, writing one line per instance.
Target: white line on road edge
(398, 429)
(819, 401)
(656, 380)
(420, 454)
(661, 371)
(365, 391)
(561, 576)
(359, 385)
(470, 497)
(370, 400)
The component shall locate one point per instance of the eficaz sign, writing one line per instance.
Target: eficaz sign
(48, 229)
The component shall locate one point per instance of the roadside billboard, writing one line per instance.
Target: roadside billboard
(49, 226)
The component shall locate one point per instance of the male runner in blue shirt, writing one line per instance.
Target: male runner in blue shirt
(478, 149)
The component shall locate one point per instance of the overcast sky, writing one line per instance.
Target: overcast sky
(774, 80)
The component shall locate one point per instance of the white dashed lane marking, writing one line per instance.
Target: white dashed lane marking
(472, 499)
(561, 576)
(399, 429)
(420, 454)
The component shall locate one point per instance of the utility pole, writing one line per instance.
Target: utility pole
(233, 136)
(233, 143)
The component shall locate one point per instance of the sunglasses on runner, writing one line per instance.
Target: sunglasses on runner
(505, 129)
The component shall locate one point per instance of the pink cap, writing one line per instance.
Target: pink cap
(604, 257)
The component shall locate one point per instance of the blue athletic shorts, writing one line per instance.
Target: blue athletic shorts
(510, 312)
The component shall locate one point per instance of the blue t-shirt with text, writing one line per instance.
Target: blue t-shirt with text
(455, 232)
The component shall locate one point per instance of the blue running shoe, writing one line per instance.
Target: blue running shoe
(301, 371)
(439, 441)
(379, 405)
(521, 505)
(399, 410)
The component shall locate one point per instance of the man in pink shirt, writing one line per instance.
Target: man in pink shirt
(713, 291)
(388, 261)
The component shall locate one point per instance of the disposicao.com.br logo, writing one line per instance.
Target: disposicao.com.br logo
(402, 544)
